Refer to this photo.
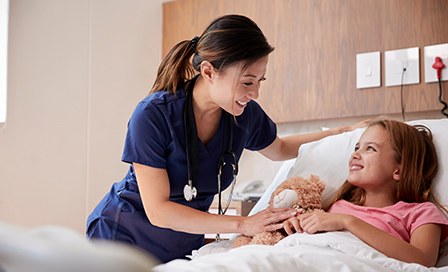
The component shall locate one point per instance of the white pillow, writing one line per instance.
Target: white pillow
(439, 129)
(281, 175)
(328, 159)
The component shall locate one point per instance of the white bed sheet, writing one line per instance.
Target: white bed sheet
(332, 251)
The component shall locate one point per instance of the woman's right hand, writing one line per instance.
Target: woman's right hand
(267, 220)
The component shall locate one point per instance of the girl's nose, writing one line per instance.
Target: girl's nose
(355, 155)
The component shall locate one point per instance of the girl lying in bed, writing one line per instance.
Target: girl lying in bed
(384, 200)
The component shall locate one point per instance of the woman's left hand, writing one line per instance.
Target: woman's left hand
(361, 124)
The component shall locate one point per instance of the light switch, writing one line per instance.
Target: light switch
(431, 52)
(368, 70)
(396, 60)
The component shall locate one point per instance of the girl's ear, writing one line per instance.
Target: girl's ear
(207, 70)
(397, 173)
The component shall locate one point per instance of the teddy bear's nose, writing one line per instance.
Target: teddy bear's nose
(285, 199)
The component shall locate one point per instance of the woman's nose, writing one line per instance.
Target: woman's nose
(254, 92)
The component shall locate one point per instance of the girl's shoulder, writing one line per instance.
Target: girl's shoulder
(400, 206)
(419, 213)
(427, 205)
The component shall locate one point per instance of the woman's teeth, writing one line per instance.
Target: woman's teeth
(241, 103)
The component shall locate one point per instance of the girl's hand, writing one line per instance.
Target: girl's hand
(319, 221)
(266, 220)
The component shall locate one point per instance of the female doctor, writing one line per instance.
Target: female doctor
(184, 140)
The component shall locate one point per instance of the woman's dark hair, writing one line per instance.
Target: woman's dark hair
(228, 40)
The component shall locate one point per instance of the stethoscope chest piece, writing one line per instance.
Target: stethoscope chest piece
(190, 192)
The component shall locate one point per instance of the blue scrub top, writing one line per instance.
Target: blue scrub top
(156, 138)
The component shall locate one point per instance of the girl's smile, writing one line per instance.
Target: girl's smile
(373, 165)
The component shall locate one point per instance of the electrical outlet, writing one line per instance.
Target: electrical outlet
(368, 70)
(431, 52)
(396, 61)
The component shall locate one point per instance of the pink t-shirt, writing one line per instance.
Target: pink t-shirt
(400, 219)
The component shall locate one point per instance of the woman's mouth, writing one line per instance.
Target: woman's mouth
(242, 104)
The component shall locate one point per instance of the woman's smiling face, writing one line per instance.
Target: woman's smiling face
(232, 92)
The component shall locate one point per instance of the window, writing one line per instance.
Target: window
(4, 10)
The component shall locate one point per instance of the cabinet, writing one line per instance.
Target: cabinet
(239, 208)
(235, 208)
(312, 72)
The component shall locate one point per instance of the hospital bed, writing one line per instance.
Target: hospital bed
(52, 248)
(332, 251)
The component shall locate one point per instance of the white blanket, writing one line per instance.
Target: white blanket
(332, 251)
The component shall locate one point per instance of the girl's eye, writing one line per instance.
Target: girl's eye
(371, 148)
(356, 148)
(263, 79)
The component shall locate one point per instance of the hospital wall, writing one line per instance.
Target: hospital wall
(76, 69)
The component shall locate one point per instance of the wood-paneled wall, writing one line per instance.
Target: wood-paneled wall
(312, 72)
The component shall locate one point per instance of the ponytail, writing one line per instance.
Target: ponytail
(175, 68)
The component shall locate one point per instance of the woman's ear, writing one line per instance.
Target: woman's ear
(207, 70)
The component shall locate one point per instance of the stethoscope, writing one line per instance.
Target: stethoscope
(190, 189)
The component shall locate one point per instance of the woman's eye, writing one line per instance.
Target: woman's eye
(251, 83)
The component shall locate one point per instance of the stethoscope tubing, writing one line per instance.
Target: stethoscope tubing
(190, 189)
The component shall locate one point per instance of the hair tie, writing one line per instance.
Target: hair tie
(193, 43)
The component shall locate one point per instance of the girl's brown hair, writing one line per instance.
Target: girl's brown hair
(228, 40)
(416, 152)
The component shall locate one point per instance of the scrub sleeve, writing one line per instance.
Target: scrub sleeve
(155, 138)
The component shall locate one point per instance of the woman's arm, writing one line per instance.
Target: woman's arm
(286, 148)
(154, 190)
(423, 247)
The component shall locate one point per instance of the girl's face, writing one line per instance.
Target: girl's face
(232, 92)
(373, 166)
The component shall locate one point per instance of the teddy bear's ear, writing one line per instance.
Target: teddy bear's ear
(319, 183)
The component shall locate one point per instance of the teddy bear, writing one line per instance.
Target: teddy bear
(294, 192)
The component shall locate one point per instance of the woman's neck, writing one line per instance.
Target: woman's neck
(207, 113)
(203, 105)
